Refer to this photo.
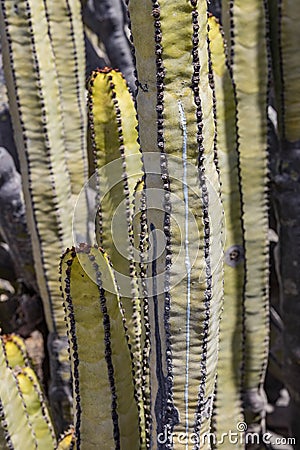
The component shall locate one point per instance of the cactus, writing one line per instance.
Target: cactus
(228, 410)
(250, 75)
(44, 121)
(285, 34)
(25, 417)
(174, 105)
(105, 410)
(180, 186)
(118, 168)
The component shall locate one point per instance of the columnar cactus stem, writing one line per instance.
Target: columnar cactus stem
(36, 408)
(105, 409)
(118, 169)
(38, 130)
(228, 410)
(27, 423)
(65, 25)
(43, 104)
(13, 226)
(250, 75)
(174, 105)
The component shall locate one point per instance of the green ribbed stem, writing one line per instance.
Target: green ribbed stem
(175, 114)
(118, 169)
(27, 423)
(48, 114)
(65, 25)
(106, 413)
(37, 120)
(250, 76)
(67, 441)
(228, 411)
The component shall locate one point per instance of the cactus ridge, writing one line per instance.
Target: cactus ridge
(164, 405)
(74, 118)
(65, 24)
(208, 290)
(71, 324)
(207, 159)
(142, 241)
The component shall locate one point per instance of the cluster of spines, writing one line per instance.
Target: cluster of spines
(67, 440)
(74, 118)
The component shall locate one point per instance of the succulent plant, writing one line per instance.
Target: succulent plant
(163, 299)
